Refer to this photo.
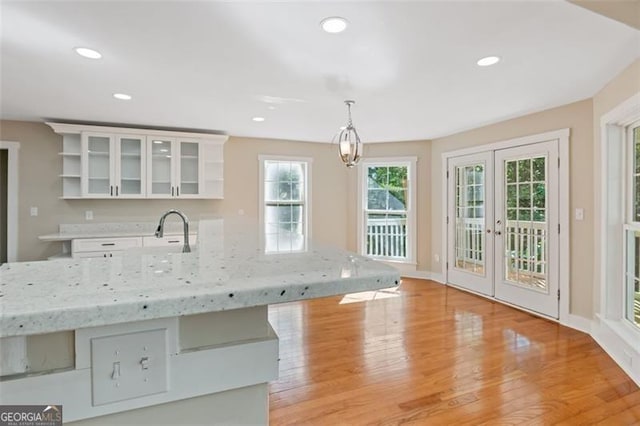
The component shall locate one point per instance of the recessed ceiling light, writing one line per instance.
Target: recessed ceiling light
(334, 24)
(122, 96)
(271, 107)
(258, 119)
(488, 60)
(88, 53)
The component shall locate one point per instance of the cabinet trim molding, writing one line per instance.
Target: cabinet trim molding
(67, 128)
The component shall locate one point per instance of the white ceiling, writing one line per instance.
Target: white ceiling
(411, 66)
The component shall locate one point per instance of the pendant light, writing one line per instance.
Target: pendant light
(349, 145)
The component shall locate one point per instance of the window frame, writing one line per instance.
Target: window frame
(306, 203)
(411, 163)
(610, 327)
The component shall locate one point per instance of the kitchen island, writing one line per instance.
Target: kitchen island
(160, 337)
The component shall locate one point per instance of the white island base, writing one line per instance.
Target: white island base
(211, 368)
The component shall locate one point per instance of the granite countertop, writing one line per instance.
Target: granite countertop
(228, 269)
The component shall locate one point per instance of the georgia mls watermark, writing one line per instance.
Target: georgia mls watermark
(30, 415)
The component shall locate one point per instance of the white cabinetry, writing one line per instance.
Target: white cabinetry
(116, 246)
(112, 165)
(114, 162)
(103, 247)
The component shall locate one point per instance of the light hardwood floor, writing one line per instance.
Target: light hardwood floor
(429, 354)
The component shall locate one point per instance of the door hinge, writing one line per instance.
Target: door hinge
(558, 228)
(447, 220)
(447, 265)
(447, 174)
(558, 294)
(558, 162)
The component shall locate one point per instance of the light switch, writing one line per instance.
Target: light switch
(88, 215)
(579, 214)
(33, 211)
(129, 366)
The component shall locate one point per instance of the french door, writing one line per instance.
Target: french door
(503, 225)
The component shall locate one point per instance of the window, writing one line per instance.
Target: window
(632, 226)
(284, 203)
(387, 220)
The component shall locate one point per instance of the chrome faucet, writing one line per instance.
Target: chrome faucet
(185, 220)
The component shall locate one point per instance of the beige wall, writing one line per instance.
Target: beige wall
(329, 192)
(40, 186)
(421, 150)
(576, 116)
(619, 89)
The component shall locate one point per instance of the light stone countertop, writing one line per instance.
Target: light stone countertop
(228, 269)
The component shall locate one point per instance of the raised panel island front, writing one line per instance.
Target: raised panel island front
(161, 337)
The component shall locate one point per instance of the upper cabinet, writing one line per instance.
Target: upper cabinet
(113, 162)
(112, 165)
(176, 169)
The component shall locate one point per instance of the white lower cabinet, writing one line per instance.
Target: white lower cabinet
(115, 247)
(103, 247)
(172, 240)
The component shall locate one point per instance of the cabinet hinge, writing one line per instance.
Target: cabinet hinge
(558, 294)
(558, 228)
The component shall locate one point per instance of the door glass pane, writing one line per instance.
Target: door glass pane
(525, 230)
(161, 167)
(189, 168)
(130, 166)
(99, 165)
(470, 221)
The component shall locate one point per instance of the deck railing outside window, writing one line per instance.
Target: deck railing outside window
(387, 237)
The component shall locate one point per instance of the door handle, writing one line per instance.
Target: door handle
(177, 191)
(488, 231)
(498, 233)
(111, 190)
(116, 190)
(172, 191)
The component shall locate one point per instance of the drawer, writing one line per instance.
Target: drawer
(104, 244)
(97, 254)
(167, 240)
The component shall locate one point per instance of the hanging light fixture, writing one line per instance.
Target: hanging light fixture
(349, 145)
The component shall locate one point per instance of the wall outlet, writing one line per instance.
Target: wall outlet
(579, 214)
(436, 257)
(33, 211)
(88, 215)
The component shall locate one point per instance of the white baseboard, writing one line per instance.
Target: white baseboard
(578, 323)
(424, 275)
(609, 335)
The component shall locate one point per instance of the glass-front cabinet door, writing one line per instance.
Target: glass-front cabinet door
(189, 170)
(130, 166)
(97, 150)
(160, 172)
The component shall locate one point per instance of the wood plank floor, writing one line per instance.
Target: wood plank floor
(429, 354)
